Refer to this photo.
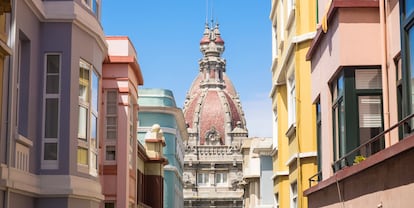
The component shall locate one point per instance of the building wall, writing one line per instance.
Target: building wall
(37, 28)
(158, 106)
(122, 75)
(294, 28)
(377, 41)
(266, 185)
(342, 46)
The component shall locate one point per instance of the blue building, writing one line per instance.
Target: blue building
(157, 106)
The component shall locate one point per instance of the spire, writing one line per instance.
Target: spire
(212, 65)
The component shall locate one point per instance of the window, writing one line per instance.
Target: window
(291, 100)
(356, 96)
(111, 114)
(290, 8)
(407, 56)
(203, 179)
(275, 128)
(319, 135)
(51, 97)
(132, 131)
(22, 85)
(294, 195)
(88, 119)
(109, 204)
(276, 200)
(110, 153)
(221, 178)
(94, 6)
(274, 42)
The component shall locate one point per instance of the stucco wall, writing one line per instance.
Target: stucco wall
(390, 184)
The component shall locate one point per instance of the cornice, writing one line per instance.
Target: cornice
(71, 12)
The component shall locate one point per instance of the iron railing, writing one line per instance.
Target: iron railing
(344, 160)
(352, 155)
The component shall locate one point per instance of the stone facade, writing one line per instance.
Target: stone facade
(213, 174)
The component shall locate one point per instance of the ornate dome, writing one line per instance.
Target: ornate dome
(212, 108)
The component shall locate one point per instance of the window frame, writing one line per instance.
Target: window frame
(205, 179)
(347, 97)
(293, 194)
(87, 143)
(51, 163)
(222, 182)
(406, 24)
(291, 96)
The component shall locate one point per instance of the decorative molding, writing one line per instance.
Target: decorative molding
(280, 173)
(51, 185)
(304, 37)
(300, 156)
(71, 12)
(291, 130)
(175, 170)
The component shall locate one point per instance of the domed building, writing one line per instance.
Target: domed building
(213, 175)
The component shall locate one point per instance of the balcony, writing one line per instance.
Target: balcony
(376, 179)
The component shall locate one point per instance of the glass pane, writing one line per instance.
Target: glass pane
(50, 151)
(111, 109)
(409, 7)
(52, 84)
(83, 92)
(368, 79)
(82, 125)
(94, 96)
(341, 125)
(370, 122)
(111, 134)
(110, 205)
(94, 161)
(411, 64)
(52, 63)
(82, 156)
(340, 85)
(94, 129)
(51, 118)
(83, 84)
(110, 153)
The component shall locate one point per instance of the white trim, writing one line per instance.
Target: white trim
(157, 96)
(24, 141)
(284, 63)
(304, 37)
(51, 185)
(144, 129)
(279, 173)
(300, 156)
(175, 170)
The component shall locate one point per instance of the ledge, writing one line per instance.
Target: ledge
(392, 151)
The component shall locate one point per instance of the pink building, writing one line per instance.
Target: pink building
(362, 86)
(120, 80)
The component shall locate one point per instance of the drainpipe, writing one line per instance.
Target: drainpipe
(384, 69)
(9, 125)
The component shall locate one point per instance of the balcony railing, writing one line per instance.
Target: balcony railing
(315, 178)
(369, 147)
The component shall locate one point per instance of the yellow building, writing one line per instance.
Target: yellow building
(294, 139)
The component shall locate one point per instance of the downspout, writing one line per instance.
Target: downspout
(299, 191)
(9, 136)
(384, 69)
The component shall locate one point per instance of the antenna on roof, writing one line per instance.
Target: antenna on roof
(206, 11)
(212, 13)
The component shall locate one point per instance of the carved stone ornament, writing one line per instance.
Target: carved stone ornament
(212, 136)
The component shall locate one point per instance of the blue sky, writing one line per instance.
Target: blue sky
(166, 35)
